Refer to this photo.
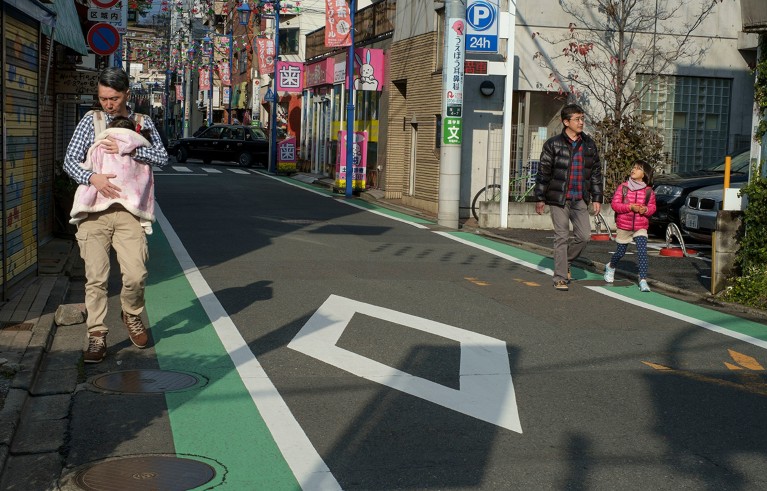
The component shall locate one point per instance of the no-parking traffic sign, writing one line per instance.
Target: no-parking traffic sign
(104, 4)
(103, 39)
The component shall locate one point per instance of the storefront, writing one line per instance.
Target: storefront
(324, 112)
(322, 105)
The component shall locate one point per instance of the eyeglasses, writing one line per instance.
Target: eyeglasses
(579, 118)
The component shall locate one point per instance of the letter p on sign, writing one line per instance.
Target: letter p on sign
(482, 28)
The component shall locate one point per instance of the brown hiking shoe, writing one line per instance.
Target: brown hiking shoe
(136, 330)
(97, 347)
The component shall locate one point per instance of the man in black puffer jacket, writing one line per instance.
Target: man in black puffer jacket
(569, 178)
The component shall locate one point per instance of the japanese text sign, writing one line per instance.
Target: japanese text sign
(265, 50)
(359, 160)
(290, 76)
(338, 25)
(287, 150)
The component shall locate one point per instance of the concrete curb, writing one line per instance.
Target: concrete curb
(31, 361)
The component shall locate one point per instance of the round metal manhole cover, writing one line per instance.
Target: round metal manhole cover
(144, 381)
(144, 473)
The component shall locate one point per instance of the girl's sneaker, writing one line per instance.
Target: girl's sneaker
(609, 273)
(643, 286)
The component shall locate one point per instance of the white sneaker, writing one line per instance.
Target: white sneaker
(643, 286)
(609, 273)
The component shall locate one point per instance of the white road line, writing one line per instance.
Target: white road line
(686, 318)
(239, 171)
(156, 169)
(310, 470)
(211, 171)
(181, 168)
(486, 390)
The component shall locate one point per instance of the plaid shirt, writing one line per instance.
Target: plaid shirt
(575, 181)
(84, 137)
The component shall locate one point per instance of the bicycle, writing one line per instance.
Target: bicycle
(519, 189)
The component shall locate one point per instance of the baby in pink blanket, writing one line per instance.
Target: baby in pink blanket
(134, 178)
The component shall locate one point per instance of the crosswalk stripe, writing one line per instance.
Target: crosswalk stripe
(180, 168)
(239, 171)
(211, 171)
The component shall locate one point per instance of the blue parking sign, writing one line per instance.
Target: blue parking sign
(482, 26)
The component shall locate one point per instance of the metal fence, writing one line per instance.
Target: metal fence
(523, 170)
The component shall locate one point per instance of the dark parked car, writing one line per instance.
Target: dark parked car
(671, 190)
(245, 145)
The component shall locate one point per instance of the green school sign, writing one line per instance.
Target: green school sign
(452, 131)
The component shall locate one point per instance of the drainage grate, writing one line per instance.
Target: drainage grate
(145, 473)
(144, 381)
(16, 326)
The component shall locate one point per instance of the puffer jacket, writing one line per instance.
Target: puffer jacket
(554, 171)
(625, 219)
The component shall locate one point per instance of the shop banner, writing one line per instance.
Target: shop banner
(368, 69)
(338, 24)
(179, 92)
(224, 74)
(359, 160)
(286, 149)
(204, 78)
(265, 51)
(290, 76)
(320, 73)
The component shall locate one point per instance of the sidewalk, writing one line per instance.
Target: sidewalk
(40, 364)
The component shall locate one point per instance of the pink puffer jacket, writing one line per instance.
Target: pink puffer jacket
(625, 219)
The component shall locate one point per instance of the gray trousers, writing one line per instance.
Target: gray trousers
(576, 212)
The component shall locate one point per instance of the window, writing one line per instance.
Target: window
(692, 115)
(289, 41)
(438, 134)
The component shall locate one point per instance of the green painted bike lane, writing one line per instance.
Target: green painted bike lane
(218, 421)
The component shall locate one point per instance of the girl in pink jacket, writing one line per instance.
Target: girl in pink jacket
(633, 202)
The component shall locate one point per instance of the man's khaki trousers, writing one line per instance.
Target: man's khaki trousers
(96, 236)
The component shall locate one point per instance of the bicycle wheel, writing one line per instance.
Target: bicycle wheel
(491, 192)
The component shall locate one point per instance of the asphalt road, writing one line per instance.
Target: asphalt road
(340, 345)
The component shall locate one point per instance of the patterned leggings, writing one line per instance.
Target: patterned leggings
(641, 243)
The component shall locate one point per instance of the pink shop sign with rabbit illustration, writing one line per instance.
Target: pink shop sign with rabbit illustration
(368, 69)
(359, 160)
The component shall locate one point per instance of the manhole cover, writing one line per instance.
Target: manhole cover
(144, 381)
(145, 473)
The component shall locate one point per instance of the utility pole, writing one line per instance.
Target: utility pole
(452, 113)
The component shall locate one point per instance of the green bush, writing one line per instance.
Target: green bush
(286, 168)
(749, 285)
(750, 288)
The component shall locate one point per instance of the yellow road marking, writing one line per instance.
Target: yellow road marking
(526, 283)
(745, 361)
(751, 382)
(476, 281)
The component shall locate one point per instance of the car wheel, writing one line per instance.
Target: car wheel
(245, 159)
(182, 155)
